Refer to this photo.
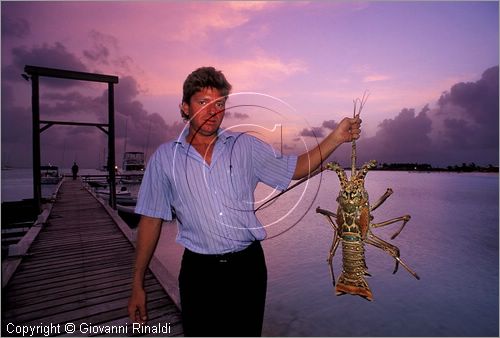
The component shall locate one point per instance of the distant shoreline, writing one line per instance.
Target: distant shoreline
(412, 167)
(464, 168)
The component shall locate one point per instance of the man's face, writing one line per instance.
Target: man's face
(206, 111)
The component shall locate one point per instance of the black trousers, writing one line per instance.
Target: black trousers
(223, 295)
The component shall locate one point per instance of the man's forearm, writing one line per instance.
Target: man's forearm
(347, 130)
(147, 237)
(309, 161)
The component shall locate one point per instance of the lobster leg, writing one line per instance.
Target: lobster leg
(391, 250)
(331, 253)
(336, 239)
(382, 199)
(403, 219)
(327, 213)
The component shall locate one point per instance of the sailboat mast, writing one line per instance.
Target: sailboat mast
(125, 142)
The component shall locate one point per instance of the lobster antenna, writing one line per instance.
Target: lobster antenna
(362, 102)
(353, 151)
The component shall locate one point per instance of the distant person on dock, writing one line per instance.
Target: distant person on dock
(208, 176)
(74, 170)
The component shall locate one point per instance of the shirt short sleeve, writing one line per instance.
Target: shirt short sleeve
(270, 166)
(155, 194)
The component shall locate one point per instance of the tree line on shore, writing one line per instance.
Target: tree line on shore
(465, 167)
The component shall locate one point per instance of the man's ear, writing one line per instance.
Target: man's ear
(184, 107)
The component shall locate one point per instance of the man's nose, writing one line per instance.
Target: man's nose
(212, 110)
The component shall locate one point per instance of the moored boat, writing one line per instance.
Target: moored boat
(50, 174)
(132, 167)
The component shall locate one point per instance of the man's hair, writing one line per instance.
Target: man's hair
(204, 77)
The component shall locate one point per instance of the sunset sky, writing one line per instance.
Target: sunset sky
(431, 70)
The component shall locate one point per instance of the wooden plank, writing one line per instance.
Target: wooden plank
(107, 275)
(61, 305)
(89, 262)
(74, 312)
(82, 256)
(33, 299)
(79, 269)
(67, 266)
(69, 288)
(69, 248)
(73, 276)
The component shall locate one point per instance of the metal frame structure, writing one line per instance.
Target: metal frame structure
(35, 73)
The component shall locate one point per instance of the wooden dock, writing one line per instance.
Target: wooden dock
(76, 277)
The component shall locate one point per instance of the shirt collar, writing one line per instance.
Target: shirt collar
(222, 135)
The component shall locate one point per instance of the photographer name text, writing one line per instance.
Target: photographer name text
(85, 328)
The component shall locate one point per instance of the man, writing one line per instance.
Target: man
(208, 176)
(74, 170)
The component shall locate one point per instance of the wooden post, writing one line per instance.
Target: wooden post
(35, 104)
(35, 72)
(111, 146)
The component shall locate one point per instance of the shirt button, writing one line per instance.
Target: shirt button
(220, 213)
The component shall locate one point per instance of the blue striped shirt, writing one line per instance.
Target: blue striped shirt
(214, 204)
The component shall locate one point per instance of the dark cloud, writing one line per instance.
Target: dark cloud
(105, 51)
(142, 130)
(14, 27)
(406, 138)
(479, 99)
(51, 56)
(14, 127)
(135, 128)
(59, 144)
(236, 115)
(100, 53)
(54, 56)
(16, 130)
(470, 112)
(73, 103)
(241, 116)
(312, 132)
(330, 124)
(318, 131)
(455, 133)
(463, 128)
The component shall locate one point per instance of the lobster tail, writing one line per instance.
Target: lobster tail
(359, 288)
(352, 279)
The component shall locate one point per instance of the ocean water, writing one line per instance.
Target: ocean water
(451, 241)
(17, 183)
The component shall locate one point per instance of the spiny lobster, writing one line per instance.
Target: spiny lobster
(354, 224)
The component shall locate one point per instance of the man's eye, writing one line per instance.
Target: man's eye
(220, 105)
(202, 102)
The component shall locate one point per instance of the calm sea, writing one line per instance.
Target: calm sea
(451, 241)
(17, 183)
